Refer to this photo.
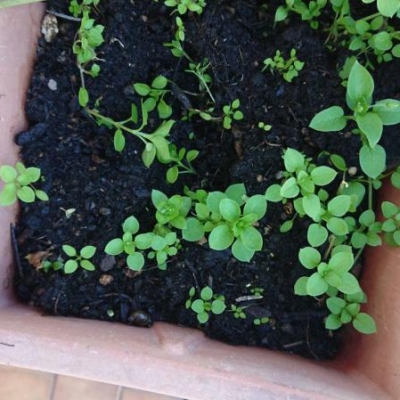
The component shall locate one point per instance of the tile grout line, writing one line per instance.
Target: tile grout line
(53, 387)
(120, 391)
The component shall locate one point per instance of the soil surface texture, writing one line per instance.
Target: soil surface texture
(93, 188)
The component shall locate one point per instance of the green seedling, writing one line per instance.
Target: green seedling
(370, 119)
(53, 265)
(154, 96)
(238, 312)
(18, 184)
(368, 232)
(183, 6)
(231, 112)
(205, 80)
(261, 321)
(288, 69)
(302, 180)
(229, 218)
(156, 143)
(308, 11)
(171, 211)
(160, 247)
(391, 225)
(344, 311)
(264, 126)
(183, 163)
(77, 8)
(127, 245)
(206, 304)
(88, 38)
(81, 259)
(331, 274)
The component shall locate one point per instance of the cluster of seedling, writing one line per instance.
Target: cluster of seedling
(372, 33)
(229, 220)
(88, 38)
(289, 68)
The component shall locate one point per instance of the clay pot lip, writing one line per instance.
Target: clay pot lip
(168, 359)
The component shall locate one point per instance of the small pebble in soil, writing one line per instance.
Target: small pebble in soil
(49, 28)
(31, 135)
(105, 279)
(140, 318)
(107, 263)
(52, 84)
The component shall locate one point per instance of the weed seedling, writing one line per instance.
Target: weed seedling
(206, 304)
(127, 245)
(346, 310)
(81, 259)
(18, 184)
(154, 96)
(288, 69)
(370, 119)
(183, 6)
(231, 112)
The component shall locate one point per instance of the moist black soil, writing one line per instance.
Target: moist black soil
(82, 171)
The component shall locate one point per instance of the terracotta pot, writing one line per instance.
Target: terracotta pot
(168, 359)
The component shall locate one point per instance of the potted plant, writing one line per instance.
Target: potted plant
(172, 360)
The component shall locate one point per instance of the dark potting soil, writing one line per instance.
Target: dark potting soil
(83, 172)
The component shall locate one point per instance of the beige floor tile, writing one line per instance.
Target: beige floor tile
(134, 394)
(67, 388)
(24, 384)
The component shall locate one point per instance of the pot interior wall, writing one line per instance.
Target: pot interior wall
(167, 359)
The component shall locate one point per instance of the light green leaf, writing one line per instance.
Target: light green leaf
(323, 175)
(373, 161)
(364, 323)
(194, 230)
(339, 205)
(114, 247)
(290, 188)
(388, 111)
(8, 195)
(251, 238)
(300, 287)
(273, 193)
(309, 257)
(349, 284)
(131, 225)
(83, 97)
(69, 250)
(220, 238)
(312, 206)
(293, 160)
(87, 265)
(70, 266)
(206, 293)
(7, 173)
(370, 124)
(337, 226)
(316, 285)
(119, 140)
(88, 251)
(255, 205)
(236, 192)
(229, 210)
(331, 119)
(135, 261)
(333, 322)
(316, 235)
(360, 86)
(241, 252)
(388, 8)
(26, 194)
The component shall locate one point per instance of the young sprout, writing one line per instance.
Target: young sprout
(81, 259)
